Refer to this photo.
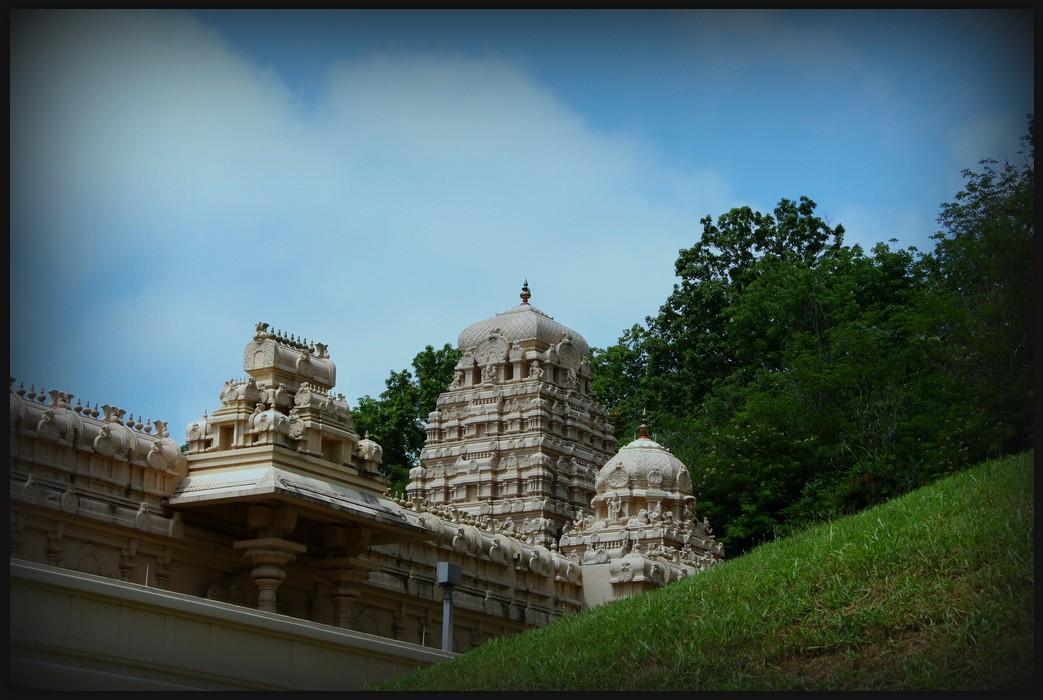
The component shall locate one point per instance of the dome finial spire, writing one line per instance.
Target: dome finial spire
(643, 431)
(525, 292)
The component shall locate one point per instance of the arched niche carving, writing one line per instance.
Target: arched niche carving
(568, 355)
(492, 350)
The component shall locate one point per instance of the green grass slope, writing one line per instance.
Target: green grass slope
(933, 590)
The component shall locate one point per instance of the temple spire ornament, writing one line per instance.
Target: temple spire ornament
(643, 430)
(497, 443)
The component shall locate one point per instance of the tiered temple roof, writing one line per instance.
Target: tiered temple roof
(519, 434)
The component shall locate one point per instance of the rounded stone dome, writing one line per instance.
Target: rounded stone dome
(520, 323)
(272, 419)
(644, 463)
(369, 450)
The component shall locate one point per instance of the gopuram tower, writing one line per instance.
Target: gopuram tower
(518, 435)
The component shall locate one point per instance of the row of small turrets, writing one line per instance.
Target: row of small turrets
(112, 414)
(290, 340)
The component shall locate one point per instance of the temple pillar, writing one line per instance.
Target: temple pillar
(344, 569)
(347, 574)
(270, 554)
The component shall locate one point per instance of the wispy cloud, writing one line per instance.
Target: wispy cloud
(166, 194)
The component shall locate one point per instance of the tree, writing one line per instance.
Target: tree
(397, 418)
(982, 266)
(670, 366)
(800, 379)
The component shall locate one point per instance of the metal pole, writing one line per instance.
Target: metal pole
(447, 575)
(447, 619)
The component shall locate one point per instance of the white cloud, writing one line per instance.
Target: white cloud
(157, 170)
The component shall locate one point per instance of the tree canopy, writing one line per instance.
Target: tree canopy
(800, 378)
(397, 417)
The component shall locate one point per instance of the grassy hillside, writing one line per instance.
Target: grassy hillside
(933, 590)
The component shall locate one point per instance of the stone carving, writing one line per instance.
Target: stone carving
(370, 451)
(88, 563)
(303, 397)
(506, 482)
(197, 430)
(639, 520)
(48, 427)
(618, 477)
(70, 503)
(165, 455)
(684, 481)
(647, 548)
(114, 440)
(143, 518)
(296, 430)
(492, 350)
(303, 359)
(227, 591)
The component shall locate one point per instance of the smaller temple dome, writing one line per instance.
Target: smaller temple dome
(644, 463)
(643, 525)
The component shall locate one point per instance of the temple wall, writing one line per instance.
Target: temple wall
(276, 518)
(596, 587)
(79, 504)
(76, 631)
(400, 600)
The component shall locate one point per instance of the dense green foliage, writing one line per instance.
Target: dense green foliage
(800, 378)
(933, 590)
(396, 419)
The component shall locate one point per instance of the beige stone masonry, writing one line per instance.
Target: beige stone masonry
(278, 513)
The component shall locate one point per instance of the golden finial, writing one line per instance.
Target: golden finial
(643, 430)
(525, 292)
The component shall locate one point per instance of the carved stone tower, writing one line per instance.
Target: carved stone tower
(519, 434)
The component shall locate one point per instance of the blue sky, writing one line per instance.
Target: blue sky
(379, 180)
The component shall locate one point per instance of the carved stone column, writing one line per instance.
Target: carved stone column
(347, 575)
(345, 570)
(163, 568)
(54, 549)
(127, 563)
(17, 533)
(271, 554)
(269, 551)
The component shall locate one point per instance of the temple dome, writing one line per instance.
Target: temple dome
(644, 463)
(520, 323)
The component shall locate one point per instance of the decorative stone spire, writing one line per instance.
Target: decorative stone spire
(643, 524)
(520, 377)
